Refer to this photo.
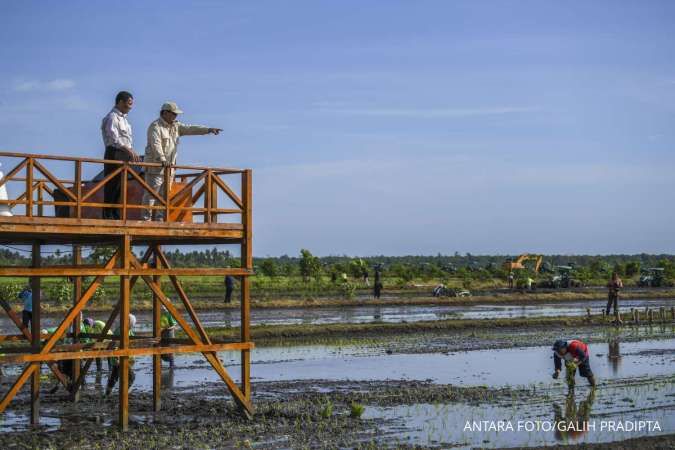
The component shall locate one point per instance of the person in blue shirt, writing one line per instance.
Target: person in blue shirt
(27, 314)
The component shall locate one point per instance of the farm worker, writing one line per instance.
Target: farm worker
(438, 290)
(377, 286)
(365, 276)
(115, 372)
(118, 142)
(575, 353)
(528, 283)
(510, 279)
(167, 324)
(91, 326)
(229, 288)
(27, 314)
(163, 137)
(614, 286)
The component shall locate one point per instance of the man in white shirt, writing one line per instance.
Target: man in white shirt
(163, 136)
(118, 142)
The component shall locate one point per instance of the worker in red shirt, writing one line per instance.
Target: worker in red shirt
(575, 353)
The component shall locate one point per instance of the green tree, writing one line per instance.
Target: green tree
(357, 267)
(269, 268)
(310, 266)
(632, 268)
(100, 255)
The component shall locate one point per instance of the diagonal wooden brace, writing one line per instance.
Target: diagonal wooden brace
(25, 376)
(63, 379)
(211, 357)
(75, 310)
(77, 384)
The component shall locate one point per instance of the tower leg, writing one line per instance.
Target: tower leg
(156, 359)
(35, 334)
(77, 293)
(125, 250)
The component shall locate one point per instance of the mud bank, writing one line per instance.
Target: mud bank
(284, 333)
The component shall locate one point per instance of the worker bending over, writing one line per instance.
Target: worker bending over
(575, 353)
(96, 327)
(167, 324)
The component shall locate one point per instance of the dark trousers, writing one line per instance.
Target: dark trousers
(167, 334)
(228, 294)
(377, 290)
(115, 376)
(26, 318)
(112, 188)
(613, 299)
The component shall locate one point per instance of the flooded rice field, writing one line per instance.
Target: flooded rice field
(380, 314)
(459, 390)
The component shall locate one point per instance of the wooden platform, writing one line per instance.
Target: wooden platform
(54, 230)
(51, 208)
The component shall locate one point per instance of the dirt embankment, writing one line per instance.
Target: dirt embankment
(395, 298)
(276, 333)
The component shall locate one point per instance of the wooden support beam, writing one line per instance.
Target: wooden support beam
(183, 296)
(27, 373)
(75, 310)
(211, 357)
(125, 252)
(8, 176)
(119, 352)
(77, 293)
(35, 332)
(113, 315)
(156, 332)
(247, 263)
(26, 335)
(63, 271)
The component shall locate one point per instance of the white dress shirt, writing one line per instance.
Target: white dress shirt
(116, 130)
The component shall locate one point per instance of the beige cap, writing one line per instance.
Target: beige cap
(172, 107)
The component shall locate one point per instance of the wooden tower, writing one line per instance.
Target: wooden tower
(53, 204)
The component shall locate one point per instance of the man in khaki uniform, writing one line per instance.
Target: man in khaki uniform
(163, 137)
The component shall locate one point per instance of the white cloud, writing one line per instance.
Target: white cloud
(432, 112)
(59, 84)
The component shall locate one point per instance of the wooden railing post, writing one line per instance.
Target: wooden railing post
(40, 206)
(78, 188)
(124, 176)
(29, 188)
(208, 191)
(214, 199)
(167, 192)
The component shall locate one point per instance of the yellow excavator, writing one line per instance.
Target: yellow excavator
(517, 264)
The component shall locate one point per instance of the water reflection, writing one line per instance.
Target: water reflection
(572, 423)
(614, 355)
(168, 378)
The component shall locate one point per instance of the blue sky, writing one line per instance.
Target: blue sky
(380, 127)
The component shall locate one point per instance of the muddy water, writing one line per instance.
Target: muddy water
(526, 366)
(392, 314)
(636, 382)
(581, 417)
